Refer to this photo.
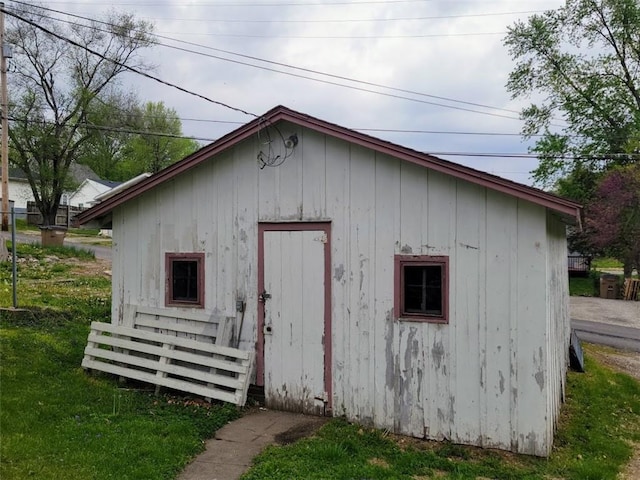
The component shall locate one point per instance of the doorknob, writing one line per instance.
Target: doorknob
(267, 330)
(264, 296)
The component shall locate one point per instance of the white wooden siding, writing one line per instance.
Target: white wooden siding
(493, 376)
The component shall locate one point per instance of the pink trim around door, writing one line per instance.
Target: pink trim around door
(295, 227)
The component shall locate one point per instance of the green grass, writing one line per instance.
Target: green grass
(606, 262)
(38, 252)
(601, 415)
(59, 422)
(46, 264)
(21, 225)
(584, 286)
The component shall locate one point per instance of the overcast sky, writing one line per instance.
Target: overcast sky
(428, 48)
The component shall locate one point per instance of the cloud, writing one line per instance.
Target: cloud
(458, 56)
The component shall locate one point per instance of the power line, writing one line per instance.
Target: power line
(107, 128)
(485, 155)
(127, 67)
(322, 81)
(316, 72)
(254, 4)
(347, 20)
(347, 37)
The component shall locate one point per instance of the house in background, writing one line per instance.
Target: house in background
(19, 192)
(89, 186)
(84, 196)
(395, 288)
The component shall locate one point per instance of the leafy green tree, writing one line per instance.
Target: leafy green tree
(54, 85)
(581, 64)
(147, 138)
(109, 126)
(159, 144)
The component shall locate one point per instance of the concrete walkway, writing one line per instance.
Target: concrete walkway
(230, 453)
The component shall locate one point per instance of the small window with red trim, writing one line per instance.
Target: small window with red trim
(421, 288)
(184, 279)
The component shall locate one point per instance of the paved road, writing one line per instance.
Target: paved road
(101, 251)
(617, 336)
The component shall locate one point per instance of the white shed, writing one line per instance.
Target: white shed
(395, 288)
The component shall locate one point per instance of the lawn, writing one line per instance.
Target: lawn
(59, 422)
(600, 417)
(585, 286)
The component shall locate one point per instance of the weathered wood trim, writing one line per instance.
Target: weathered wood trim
(399, 262)
(218, 330)
(294, 227)
(169, 258)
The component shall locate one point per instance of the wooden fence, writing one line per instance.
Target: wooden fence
(64, 216)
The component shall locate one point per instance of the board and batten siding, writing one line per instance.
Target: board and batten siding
(493, 376)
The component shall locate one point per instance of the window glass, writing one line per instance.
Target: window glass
(184, 279)
(421, 289)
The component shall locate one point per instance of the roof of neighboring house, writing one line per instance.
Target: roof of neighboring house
(79, 173)
(108, 183)
(561, 205)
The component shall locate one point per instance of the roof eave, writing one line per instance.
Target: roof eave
(553, 202)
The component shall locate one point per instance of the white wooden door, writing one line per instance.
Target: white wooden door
(294, 320)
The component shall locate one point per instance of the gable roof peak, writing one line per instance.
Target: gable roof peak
(565, 207)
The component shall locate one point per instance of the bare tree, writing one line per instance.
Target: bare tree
(61, 71)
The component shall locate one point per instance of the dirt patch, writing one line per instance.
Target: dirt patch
(378, 462)
(97, 268)
(625, 362)
(299, 431)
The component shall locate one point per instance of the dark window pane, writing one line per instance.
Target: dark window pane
(423, 289)
(185, 280)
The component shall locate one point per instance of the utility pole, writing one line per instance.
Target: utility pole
(4, 106)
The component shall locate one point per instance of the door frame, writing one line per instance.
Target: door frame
(327, 337)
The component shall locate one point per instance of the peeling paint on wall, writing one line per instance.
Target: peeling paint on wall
(388, 338)
(406, 249)
(338, 273)
(437, 353)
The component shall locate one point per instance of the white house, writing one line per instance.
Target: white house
(395, 288)
(90, 186)
(19, 190)
(85, 195)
